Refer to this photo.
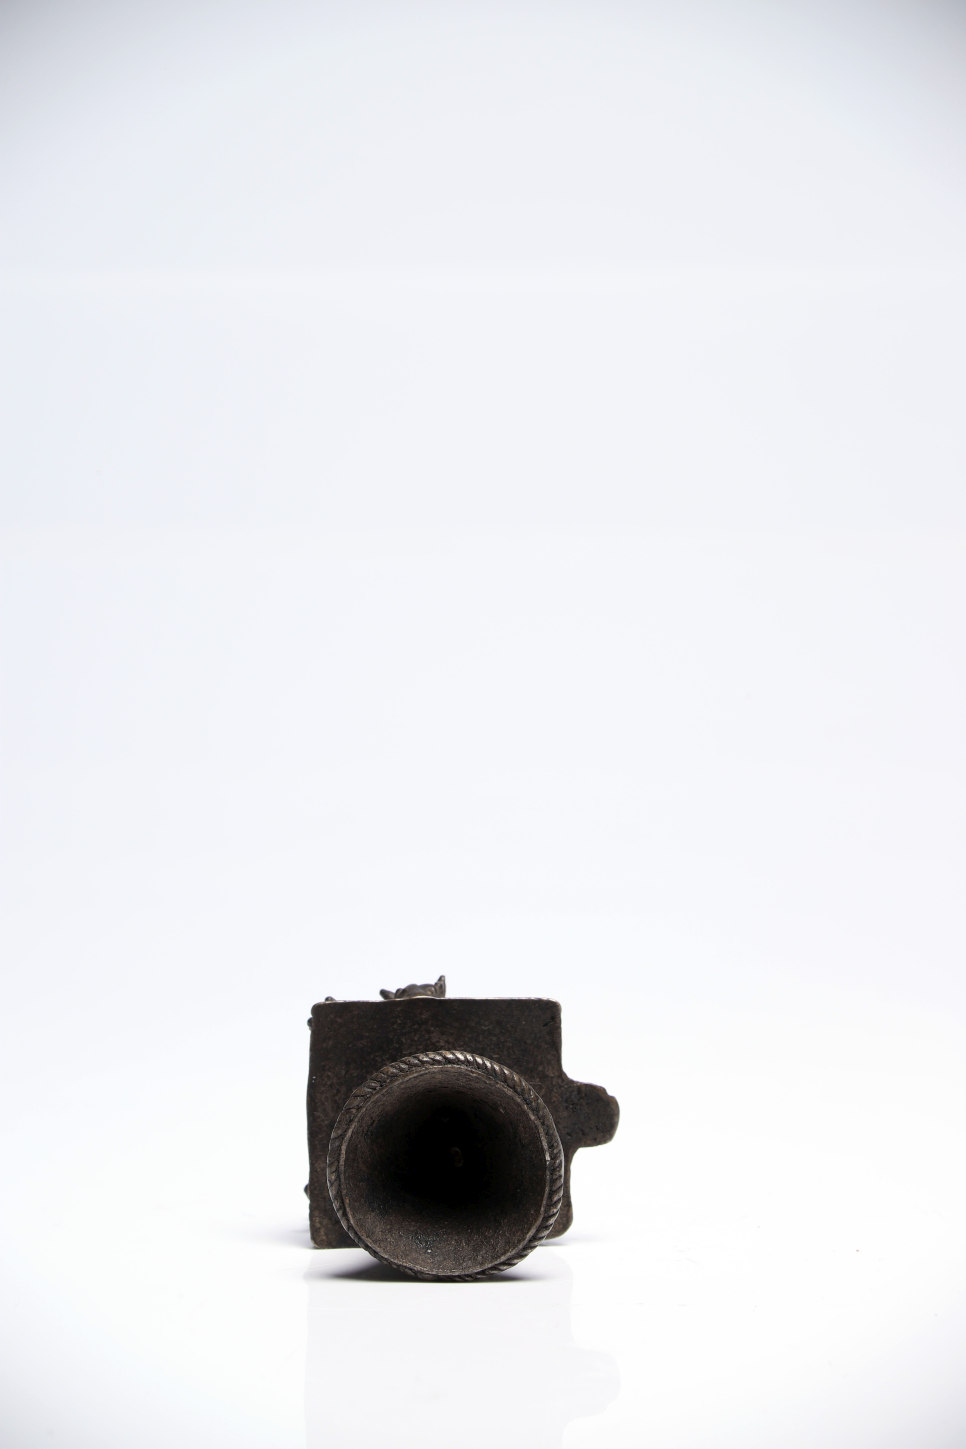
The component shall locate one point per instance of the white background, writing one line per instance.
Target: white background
(483, 493)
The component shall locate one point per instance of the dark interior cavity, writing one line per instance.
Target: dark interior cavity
(445, 1171)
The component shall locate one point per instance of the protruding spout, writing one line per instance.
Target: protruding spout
(446, 1165)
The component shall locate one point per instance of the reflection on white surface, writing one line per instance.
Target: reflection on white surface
(436, 1364)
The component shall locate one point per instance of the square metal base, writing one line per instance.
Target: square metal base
(352, 1040)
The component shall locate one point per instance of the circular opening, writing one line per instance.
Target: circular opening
(445, 1172)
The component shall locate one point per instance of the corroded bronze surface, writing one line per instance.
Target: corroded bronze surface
(441, 1131)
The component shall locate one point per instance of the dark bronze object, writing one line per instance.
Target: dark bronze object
(441, 1132)
(438, 988)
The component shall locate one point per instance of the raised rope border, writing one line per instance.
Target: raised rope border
(516, 1084)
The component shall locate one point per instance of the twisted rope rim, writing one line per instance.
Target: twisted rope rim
(518, 1085)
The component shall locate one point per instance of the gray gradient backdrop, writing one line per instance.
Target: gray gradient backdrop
(483, 492)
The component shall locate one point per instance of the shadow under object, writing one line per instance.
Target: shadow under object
(441, 1132)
